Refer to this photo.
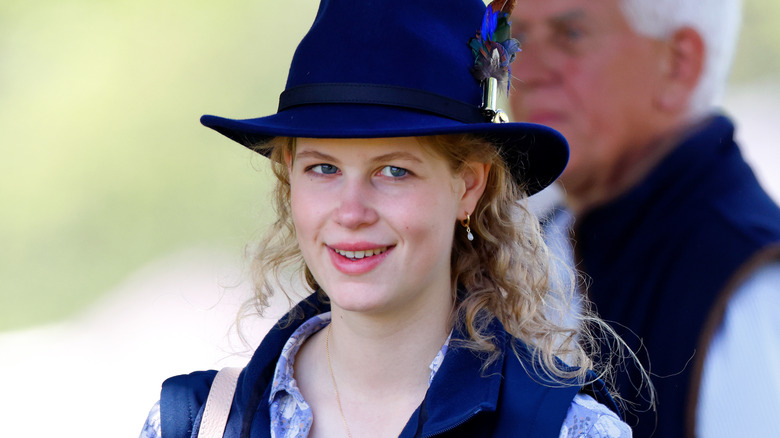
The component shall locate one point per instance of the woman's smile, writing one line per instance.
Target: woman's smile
(357, 262)
(359, 254)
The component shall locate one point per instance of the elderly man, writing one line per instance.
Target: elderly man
(680, 242)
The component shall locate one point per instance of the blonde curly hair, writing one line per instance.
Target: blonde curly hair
(504, 273)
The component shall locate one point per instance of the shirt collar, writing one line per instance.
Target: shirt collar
(283, 375)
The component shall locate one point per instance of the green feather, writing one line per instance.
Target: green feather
(503, 31)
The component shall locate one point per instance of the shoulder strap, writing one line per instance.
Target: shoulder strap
(181, 399)
(218, 404)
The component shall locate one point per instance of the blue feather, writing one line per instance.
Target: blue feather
(512, 46)
(492, 58)
(489, 23)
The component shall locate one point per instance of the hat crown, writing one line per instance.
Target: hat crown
(381, 68)
(418, 44)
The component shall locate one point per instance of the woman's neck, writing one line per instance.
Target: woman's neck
(387, 355)
(379, 366)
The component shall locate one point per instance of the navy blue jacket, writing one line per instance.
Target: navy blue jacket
(665, 257)
(501, 401)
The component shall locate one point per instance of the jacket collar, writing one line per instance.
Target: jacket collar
(461, 388)
(255, 382)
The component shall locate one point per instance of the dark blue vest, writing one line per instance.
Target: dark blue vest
(664, 258)
(463, 400)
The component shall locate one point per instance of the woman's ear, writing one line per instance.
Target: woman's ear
(475, 176)
(684, 62)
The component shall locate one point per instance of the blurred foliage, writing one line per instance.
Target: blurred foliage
(758, 51)
(104, 166)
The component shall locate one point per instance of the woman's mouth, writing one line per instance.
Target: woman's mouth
(357, 255)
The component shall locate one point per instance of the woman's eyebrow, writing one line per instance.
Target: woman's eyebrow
(315, 154)
(392, 156)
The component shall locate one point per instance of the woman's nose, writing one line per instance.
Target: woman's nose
(355, 207)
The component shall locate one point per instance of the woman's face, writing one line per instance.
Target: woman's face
(374, 220)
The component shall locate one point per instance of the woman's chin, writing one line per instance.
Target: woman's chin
(347, 302)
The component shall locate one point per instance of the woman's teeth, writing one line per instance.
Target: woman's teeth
(361, 254)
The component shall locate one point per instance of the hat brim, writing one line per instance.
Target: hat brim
(535, 154)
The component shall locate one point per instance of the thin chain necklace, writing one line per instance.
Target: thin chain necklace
(333, 378)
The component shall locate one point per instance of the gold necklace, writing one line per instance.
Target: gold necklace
(333, 378)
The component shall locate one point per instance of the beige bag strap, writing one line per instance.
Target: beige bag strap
(215, 414)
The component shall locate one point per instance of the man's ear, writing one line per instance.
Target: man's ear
(684, 59)
(475, 176)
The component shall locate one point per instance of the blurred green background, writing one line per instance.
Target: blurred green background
(104, 166)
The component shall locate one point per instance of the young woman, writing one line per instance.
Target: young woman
(430, 311)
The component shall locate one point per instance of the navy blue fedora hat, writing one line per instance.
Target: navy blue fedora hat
(382, 68)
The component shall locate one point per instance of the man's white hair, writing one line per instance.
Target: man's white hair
(717, 21)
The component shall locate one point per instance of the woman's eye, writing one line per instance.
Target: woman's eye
(393, 172)
(325, 169)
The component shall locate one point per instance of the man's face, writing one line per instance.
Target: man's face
(586, 73)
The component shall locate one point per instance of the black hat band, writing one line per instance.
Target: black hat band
(375, 94)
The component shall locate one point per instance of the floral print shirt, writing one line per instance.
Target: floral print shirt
(291, 415)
